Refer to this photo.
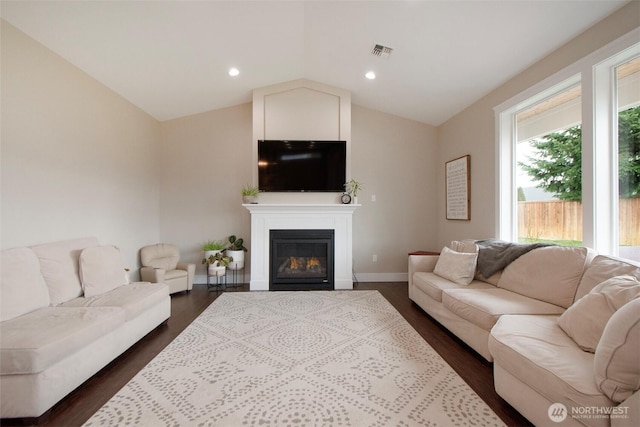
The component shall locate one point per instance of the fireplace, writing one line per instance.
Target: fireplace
(301, 260)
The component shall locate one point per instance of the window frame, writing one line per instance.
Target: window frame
(596, 74)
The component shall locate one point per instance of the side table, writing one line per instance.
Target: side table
(424, 253)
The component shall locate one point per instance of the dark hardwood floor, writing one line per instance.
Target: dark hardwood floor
(78, 406)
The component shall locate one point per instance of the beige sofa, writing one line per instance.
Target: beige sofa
(67, 310)
(513, 319)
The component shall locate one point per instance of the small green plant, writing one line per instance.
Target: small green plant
(218, 259)
(236, 244)
(213, 245)
(352, 187)
(250, 191)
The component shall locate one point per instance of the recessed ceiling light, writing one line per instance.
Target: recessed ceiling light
(370, 75)
(233, 72)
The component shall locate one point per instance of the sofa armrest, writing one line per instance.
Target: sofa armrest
(153, 275)
(190, 268)
(629, 412)
(425, 263)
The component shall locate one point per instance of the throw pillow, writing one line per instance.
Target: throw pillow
(456, 266)
(585, 320)
(616, 359)
(22, 287)
(101, 270)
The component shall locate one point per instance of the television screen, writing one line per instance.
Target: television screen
(301, 165)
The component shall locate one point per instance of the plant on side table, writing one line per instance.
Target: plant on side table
(236, 251)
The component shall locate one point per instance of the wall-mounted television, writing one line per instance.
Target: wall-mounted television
(302, 166)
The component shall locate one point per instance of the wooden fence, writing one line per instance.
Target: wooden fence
(560, 220)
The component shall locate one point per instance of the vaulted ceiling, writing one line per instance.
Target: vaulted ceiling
(171, 58)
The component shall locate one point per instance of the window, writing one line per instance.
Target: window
(587, 101)
(628, 118)
(549, 169)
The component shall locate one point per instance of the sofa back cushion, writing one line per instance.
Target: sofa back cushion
(160, 255)
(59, 267)
(101, 270)
(22, 287)
(549, 274)
(585, 320)
(617, 358)
(605, 267)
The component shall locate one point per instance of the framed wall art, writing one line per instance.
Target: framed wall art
(458, 188)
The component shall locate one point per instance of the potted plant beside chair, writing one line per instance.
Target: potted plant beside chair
(217, 264)
(236, 251)
(212, 247)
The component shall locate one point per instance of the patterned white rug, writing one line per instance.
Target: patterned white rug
(322, 358)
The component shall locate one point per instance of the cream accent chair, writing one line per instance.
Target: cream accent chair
(160, 264)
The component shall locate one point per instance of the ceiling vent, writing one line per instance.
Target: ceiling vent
(381, 51)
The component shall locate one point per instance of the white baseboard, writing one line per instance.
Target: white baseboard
(382, 277)
(360, 277)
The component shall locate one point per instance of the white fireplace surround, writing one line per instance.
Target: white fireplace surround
(267, 217)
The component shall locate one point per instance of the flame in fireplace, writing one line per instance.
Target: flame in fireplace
(294, 263)
(312, 263)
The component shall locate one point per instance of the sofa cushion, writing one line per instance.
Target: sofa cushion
(549, 274)
(459, 267)
(433, 285)
(483, 307)
(22, 287)
(604, 267)
(59, 267)
(537, 352)
(136, 298)
(101, 269)
(585, 320)
(37, 340)
(617, 359)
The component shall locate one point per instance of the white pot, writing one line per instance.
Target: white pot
(217, 270)
(238, 260)
(247, 200)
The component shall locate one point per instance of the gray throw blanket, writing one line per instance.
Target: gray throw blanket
(494, 255)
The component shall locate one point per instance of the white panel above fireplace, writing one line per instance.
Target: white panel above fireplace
(266, 217)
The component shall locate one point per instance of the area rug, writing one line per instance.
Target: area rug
(321, 358)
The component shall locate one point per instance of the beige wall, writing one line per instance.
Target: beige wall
(472, 131)
(77, 159)
(205, 161)
(395, 159)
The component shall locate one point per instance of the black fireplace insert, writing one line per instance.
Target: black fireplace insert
(301, 260)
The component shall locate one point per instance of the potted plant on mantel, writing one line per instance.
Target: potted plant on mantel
(217, 264)
(250, 194)
(236, 251)
(352, 187)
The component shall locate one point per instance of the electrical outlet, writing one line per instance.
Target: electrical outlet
(373, 197)
(374, 258)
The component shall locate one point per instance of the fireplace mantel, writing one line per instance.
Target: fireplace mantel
(267, 217)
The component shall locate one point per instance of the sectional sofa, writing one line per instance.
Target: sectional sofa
(67, 309)
(561, 326)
